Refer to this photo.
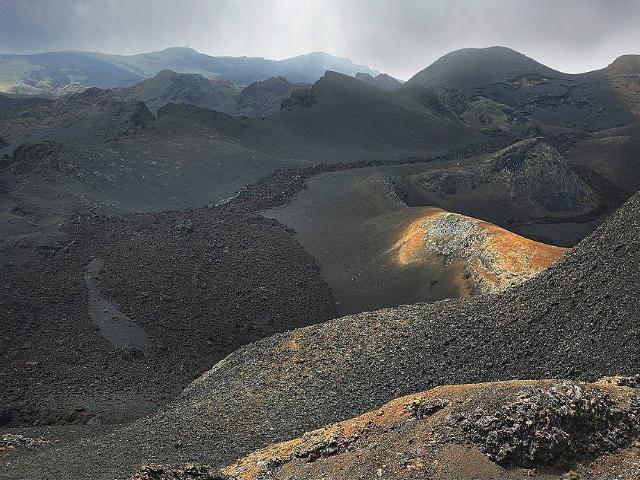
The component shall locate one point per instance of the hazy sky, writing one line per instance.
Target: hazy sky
(396, 36)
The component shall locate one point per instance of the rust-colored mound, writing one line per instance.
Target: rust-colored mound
(546, 429)
(490, 258)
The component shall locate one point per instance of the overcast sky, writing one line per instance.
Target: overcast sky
(396, 36)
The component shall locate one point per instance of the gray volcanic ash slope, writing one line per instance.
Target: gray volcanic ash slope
(601, 99)
(470, 67)
(577, 320)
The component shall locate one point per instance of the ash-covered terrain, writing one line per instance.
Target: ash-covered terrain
(226, 269)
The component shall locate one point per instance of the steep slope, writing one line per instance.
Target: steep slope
(612, 161)
(473, 67)
(595, 100)
(577, 320)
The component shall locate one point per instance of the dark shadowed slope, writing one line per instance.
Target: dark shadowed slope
(624, 74)
(600, 99)
(524, 182)
(338, 119)
(472, 67)
(263, 98)
(577, 320)
(342, 118)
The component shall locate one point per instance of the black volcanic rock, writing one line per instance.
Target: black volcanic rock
(302, 97)
(197, 283)
(577, 320)
(30, 157)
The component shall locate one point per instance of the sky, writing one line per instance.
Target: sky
(399, 37)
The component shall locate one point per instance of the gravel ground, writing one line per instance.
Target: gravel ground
(197, 283)
(578, 320)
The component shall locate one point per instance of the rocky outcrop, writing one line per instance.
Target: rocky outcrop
(187, 472)
(576, 428)
(264, 98)
(530, 170)
(37, 157)
(302, 97)
(544, 425)
(90, 116)
(10, 443)
(193, 89)
(485, 114)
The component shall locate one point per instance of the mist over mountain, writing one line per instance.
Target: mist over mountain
(48, 72)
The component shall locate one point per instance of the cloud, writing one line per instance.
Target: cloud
(399, 37)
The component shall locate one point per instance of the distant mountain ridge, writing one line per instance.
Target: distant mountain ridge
(504, 79)
(258, 99)
(47, 72)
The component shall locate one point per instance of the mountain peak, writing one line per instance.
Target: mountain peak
(470, 67)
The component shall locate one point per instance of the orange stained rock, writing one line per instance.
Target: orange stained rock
(494, 257)
(392, 414)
